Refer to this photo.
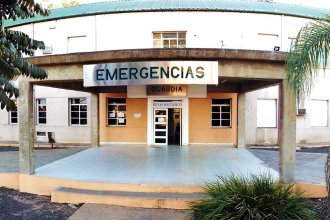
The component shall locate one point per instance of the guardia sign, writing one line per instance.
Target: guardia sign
(167, 90)
(151, 73)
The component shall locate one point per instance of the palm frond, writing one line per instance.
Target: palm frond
(308, 53)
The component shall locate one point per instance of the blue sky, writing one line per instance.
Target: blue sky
(313, 3)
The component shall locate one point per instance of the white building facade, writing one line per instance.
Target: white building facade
(86, 28)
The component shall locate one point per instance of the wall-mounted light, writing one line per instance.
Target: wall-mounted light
(222, 44)
(277, 48)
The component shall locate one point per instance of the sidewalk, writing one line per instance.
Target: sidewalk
(43, 144)
(106, 212)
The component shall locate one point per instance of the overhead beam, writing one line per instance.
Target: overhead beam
(158, 54)
(225, 87)
(249, 86)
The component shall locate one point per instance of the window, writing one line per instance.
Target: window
(169, 39)
(13, 116)
(266, 113)
(77, 44)
(41, 111)
(78, 111)
(267, 41)
(319, 113)
(116, 111)
(221, 112)
(41, 136)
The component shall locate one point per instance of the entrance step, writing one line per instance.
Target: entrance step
(128, 199)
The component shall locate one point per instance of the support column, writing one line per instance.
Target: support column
(94, 121)
(26, 127)
(287, 132)
(241, 121)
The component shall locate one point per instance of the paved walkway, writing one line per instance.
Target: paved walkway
(9, 160)
(309, 166)
(106, 212)
(193, 165)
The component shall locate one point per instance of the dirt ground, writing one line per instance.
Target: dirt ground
(24, 206)
(321, 208)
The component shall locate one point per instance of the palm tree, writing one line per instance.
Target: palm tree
(309, 52)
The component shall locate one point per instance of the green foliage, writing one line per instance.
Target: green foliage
(309, 52)
(257, 197)
(15, 44)
(63, 4)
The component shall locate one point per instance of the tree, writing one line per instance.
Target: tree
(308, 53)
(15, 44)
(64, 3)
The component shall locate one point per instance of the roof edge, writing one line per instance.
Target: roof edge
(152, 54)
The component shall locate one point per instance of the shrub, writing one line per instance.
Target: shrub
(257, 197)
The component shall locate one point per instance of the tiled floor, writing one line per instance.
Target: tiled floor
(191, 165)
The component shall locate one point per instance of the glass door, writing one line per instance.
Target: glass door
(160, 126)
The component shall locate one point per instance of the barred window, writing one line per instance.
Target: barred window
(221, 113)
(169, 39)
(13, 116)
(41, 111)
(78, 111)
(116, 111)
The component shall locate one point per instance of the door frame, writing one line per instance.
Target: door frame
(155, 123)
(184, 118)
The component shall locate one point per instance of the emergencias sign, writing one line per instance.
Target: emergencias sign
(148, 73)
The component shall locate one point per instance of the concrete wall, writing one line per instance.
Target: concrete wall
(305, 131)
(57, 117)
(253, 134)
(200, 129)
(105, 32)
(135, 129)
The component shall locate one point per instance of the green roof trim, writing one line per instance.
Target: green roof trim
(175, 5)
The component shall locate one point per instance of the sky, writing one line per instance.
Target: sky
(313, 3)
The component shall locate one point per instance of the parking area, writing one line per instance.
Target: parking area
(309, 166)
(9, 157)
